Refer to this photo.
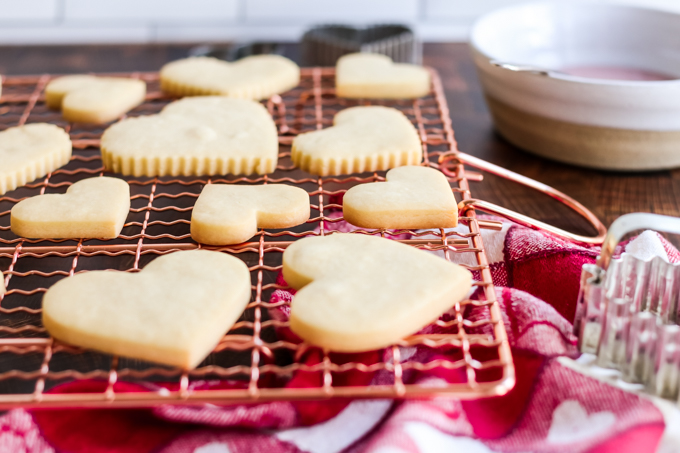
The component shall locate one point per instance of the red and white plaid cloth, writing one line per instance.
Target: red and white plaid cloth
(552, 408)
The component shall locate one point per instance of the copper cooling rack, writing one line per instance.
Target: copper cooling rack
(31, 363)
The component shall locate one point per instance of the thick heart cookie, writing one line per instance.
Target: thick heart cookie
(255, 77)
(31, 151)
(90, 99)
(411, 198)
(373, 76)
(91, 208)
(174, 311)
(207, 135)
(359, 293)
(361, 139)
(228, 214)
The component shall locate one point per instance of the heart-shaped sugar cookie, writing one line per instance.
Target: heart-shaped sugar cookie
(361, 139)
(194, 136)
(174, 311)
(90, 208)
(254, 77)
(374, 76)
(228, 214)
(411, 198)
(31, 151)
(90, 99)
(359, 293)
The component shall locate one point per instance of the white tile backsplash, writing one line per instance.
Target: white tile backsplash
(331, 10)
(80, 34)
(446, 9)
(28, 10)
(149, 11)
(145, 21)
(228, 32)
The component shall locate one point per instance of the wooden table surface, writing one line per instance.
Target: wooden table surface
(607, 194)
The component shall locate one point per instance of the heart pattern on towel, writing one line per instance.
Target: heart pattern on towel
(571, 422)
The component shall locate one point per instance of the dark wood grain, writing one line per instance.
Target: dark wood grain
(607, 194)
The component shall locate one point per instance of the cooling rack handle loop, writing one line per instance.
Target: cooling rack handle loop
(529, 222)
(630, 222)
(533, 184)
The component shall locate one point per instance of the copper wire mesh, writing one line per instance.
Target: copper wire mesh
(475, 343)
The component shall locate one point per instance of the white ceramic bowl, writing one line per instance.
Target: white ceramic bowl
(527, 55)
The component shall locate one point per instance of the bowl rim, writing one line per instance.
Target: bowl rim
(473, 41)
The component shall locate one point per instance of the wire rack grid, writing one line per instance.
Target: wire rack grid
(473, 343)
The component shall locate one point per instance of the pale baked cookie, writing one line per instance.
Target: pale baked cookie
(175, 311)
(411, 198)
(207, 135)
(361, 139)
(255, 77)
(359, 293)
(374, 76)
(31, 151)
(90, 99)
(90, 208)
(228, 214)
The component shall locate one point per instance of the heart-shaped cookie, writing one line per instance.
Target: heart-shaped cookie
(90, 99)
(374, 76)
(174, 311)
(411, 198)
(228, 214)
(90, 208)
(359, 293)
(361, 139)
(254, 77)
(31, 151)
(207, 135)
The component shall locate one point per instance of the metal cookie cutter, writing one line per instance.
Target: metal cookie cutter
(627, 310)
(322, 45)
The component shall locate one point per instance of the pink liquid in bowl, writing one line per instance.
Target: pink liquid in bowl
(616, 73)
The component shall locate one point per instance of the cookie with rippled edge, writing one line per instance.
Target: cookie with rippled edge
(361, 139)
(255, 77)
(30, 152)
(91, 99)
(175, 311)
(90, 208)
(208, 135)
(410, 198)
(359, 293)
(228, 214)
(374, 76)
